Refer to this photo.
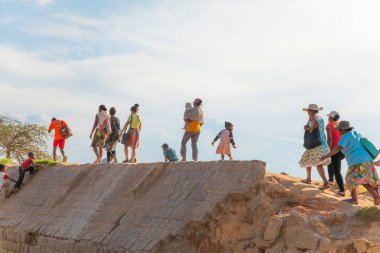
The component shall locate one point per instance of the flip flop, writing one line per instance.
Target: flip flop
(343, 194)
(324, 186)
(306, 181)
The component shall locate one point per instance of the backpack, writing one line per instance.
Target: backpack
(115, 130)
(371, 149)
(65, 131)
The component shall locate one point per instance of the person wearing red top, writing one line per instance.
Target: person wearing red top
(333, 137)
(4, 177)
(27, 165)
(59, 141)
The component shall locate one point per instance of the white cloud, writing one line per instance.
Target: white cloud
(44, 2)
(254, 63)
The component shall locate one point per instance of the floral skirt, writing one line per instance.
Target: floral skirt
(360, 174)
(312, 157)
(98, 140)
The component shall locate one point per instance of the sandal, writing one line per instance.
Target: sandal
(306, 181)
(324, 186)
(376, 202)
(351, 201)
(343, 194)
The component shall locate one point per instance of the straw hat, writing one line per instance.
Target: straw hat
(313, 107)
(344, 125)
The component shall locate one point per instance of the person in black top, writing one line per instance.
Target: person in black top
(113, 137)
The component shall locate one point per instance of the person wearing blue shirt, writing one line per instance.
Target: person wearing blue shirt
(361, 170)
(169, 154)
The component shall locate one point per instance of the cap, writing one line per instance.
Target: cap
(333, 114)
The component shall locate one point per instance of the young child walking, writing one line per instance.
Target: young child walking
(226, 139)
(27, 165)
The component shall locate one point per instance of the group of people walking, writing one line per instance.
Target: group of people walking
(325, 146)
(341, 142)
(106, 133)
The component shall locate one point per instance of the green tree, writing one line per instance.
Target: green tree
(17, 139)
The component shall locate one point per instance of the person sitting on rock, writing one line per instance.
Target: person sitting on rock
(27, 165)
(169, 154)
(361, 170)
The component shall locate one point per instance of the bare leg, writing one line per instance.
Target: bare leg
(126, 152)
(133, 157)
(372, 191)
(321, 172)
(354, 197)
(308, 172)
(100, 154)
(55, 153)
(230, 156)
(96, 153)
(222, 156)
(63, 155)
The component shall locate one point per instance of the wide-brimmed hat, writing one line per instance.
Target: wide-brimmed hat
(313, 107)
(344, 125)
(333, 114)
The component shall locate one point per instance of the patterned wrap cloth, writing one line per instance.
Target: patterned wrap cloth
(312, 157)
(360, 174)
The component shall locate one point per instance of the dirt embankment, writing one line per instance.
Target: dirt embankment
(206, 207)
(281, 215)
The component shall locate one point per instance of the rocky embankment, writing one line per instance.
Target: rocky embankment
(205, 207)
(281, 215)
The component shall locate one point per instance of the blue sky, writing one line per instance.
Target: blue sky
(255, 63)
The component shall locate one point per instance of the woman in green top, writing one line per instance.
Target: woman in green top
(131, 138)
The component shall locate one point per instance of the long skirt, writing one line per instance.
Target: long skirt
(360, 174)
(134, 139)
(312, 157)
(98, 140)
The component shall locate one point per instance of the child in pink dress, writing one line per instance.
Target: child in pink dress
(226, 139)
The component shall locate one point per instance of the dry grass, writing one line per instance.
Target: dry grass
(369, 214)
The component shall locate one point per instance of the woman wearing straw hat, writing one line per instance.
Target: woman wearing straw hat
(312, 157)
(361, 170)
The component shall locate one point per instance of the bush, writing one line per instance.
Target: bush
(369, 214)
(45, 162)
(5, 161)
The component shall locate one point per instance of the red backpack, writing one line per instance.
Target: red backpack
(66, 131)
